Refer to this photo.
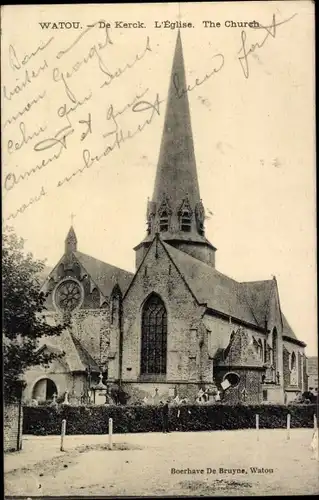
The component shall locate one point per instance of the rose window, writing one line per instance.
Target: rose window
(68, 295)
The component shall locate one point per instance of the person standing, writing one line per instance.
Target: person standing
(165, 417)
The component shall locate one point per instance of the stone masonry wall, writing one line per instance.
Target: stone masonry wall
(158, 274)
(12, 428)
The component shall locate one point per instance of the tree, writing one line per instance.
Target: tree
(24, 320)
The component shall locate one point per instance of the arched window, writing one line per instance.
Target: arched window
(275, 350)
(154, 337)
(260, 349)
(293, 361)
(293, 370)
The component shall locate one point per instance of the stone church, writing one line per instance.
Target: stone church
(176, 326)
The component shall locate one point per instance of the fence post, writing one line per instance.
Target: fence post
(257, 426)
(110, 433)
(63, 430)
(315, 422)
(288, 425)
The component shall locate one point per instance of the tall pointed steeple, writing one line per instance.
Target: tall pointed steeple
(176, 210)
(176, 175)
(71, 241)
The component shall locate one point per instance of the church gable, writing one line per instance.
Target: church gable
(69, 285)
(80, 281)
(242, 350)
(159, 277)
(158, 272)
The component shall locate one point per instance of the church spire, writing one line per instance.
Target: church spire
(176, 175)
(71, 241)
(176, 210)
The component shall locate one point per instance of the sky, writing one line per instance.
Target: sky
(254, 134)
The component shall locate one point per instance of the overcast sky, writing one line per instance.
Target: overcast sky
(254, 137)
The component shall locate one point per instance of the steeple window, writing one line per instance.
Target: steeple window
(185, 221)
(164, 213)
(164, 221)
(185, 216)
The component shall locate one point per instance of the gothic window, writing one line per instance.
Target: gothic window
(260, 349)
(293, 370)
(275, 349)
(164, 221)
(68, 295)
(154, 337)
(293, 361)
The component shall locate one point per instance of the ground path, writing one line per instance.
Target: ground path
(140, 464)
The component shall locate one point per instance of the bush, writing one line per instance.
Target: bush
(94, 419)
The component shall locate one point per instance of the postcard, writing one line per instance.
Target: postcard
(159, 249)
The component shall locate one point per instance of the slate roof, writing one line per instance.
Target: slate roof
(85, 358)
(258, 295)
(76, 356)
(287, 330)
(247, 301)
(105, 275)
(211, 287)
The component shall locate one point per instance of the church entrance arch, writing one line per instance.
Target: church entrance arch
(44, 389)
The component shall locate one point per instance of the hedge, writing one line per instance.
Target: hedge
(43, 421)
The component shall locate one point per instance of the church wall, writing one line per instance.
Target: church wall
(62, 379)
(248, 390)
(159, 275)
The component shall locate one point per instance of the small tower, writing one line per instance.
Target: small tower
(176, 210)
(71, 241)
